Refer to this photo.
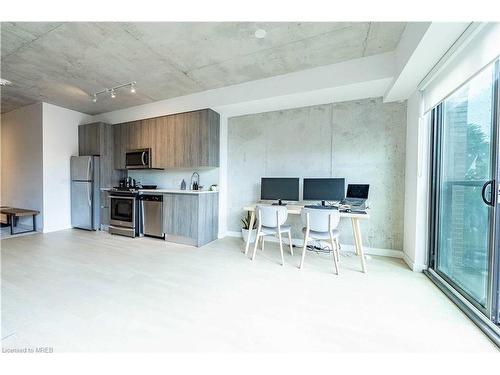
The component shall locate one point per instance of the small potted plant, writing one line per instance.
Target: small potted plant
(245, 230)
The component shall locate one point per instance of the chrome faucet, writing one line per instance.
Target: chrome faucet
(195, 181)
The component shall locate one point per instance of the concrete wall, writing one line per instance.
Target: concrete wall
(363, 141)
(21, 160)
(60, 142)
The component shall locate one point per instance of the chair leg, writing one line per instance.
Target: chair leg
(335, 261)
(256, 244)
(281, 247)
(304, 250)
(290, 241)
(262, 246)
(337, 246)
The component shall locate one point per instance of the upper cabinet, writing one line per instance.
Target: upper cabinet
(184, 140)
(89, 138)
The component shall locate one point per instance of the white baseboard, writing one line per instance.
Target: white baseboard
(347, 248)
(415, 267)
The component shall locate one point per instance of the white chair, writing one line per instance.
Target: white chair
(321, 224)
(271, 222)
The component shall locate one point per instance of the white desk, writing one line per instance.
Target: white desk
(295, 209)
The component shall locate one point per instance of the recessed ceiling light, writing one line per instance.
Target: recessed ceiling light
(5, 82)
(132, 87)
(260, 33)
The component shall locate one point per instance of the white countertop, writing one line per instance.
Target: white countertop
(170, 191)
(176, 191)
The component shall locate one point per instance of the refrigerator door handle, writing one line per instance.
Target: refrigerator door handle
(89, 198)
(89, 177)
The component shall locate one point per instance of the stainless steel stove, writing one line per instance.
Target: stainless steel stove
(124, 212)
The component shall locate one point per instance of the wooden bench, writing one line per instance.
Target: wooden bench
(14, 213)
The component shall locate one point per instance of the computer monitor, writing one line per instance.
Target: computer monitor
(324, 189)
(279, 189)
(359, 191)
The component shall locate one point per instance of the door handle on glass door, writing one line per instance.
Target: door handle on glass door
(491, 202)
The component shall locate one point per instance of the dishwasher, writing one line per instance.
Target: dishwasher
(152, 215)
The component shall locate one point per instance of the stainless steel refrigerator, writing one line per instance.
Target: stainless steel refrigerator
(85, 193)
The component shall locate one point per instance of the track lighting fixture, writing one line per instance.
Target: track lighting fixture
(112, 91)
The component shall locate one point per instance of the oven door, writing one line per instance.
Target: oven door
(138, 159)
(122, 211)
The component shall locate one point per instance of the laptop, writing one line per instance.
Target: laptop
(356, 197)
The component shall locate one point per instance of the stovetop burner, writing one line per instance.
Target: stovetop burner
(124, 191)
(122, 188)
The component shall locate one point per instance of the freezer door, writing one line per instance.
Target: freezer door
(81, 205)
(81, 168)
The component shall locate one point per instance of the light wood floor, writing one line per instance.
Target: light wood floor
(84, 291)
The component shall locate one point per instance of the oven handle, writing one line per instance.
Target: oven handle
(121, 197)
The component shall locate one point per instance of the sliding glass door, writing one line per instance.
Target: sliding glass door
(464, 189)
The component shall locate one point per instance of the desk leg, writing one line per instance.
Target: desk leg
(252, 220)
(355, 235)
(359, 243)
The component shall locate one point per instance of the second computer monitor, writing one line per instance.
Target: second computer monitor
(324, 189)
(286, 189)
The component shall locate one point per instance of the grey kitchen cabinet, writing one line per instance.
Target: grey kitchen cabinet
(89, 139)
(191, 219)
(184, 140)
(98, 139)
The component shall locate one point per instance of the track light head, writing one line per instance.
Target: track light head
(112, 91)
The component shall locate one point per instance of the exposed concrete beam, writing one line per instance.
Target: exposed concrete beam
(355, 79)
(421, 47)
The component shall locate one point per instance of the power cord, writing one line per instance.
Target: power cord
(319, 249)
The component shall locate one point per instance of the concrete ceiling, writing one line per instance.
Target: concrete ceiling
(62, 63)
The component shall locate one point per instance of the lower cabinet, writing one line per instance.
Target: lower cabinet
(191, 219)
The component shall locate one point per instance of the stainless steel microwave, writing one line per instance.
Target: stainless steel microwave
(138, 159)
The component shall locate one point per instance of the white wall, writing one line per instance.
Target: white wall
(172, 179)
(21, 160)
(416, 185)
(60, 142)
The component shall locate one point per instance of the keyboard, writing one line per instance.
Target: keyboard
(354, 203)
(318, 207)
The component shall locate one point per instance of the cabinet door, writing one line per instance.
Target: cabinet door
(133, 135)
(88, 140)
(163, 142)
(119, 154)
(181, 216)
(185, 132)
